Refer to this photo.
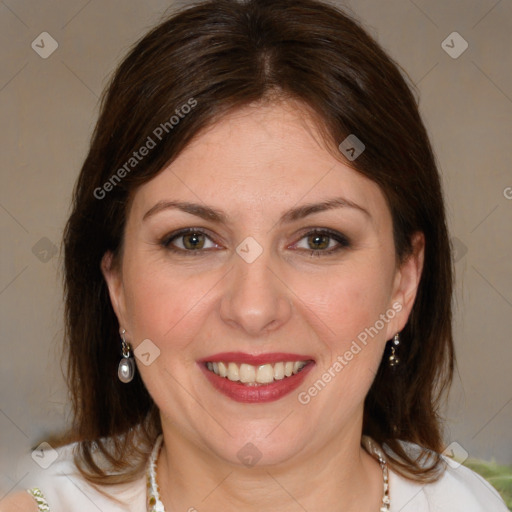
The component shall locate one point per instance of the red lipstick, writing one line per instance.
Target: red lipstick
(256, 393)
(242, 357)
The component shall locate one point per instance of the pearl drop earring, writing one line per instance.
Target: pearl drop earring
(126, 369)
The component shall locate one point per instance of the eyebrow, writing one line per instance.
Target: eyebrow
(215, 215)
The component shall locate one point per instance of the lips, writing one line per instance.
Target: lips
(256, 378)
(242, 357)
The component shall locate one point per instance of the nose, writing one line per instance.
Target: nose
(255, 300)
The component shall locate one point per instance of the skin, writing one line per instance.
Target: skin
(254, 165)
(18, 502)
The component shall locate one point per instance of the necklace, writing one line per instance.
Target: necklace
(154, 504)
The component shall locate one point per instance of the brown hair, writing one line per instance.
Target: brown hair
(218, 56)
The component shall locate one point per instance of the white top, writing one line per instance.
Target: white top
(458, 490)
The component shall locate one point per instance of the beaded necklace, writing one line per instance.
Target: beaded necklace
(154, 503)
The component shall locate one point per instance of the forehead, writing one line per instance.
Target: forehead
(261, 158)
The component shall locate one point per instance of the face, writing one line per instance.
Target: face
(225, 260)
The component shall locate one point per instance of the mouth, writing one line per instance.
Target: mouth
(263, 378)
(256, 375)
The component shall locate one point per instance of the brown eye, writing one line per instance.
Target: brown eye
(193, 241)
(189, 241)
(318, 241)
(323, 242)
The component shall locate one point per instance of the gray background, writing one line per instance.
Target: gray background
(48, 108)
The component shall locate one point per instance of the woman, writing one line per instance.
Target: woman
(258, 279)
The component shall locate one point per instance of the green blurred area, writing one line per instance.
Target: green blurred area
(500, 477)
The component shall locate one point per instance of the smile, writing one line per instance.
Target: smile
(254, 379)
(253, 375)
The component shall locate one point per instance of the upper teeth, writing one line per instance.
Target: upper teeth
(262, 374)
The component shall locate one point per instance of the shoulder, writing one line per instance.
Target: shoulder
(66, 490)
(18, 502)
(459, 489)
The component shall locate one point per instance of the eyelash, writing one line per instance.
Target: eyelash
(342, 240)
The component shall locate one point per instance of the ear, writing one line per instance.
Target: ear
(407, 279)
(113, 277)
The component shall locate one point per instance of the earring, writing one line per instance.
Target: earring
(126, 369)
(393, 358)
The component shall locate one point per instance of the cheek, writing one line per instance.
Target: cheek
(346, 317)
(162, 304)
(169, 310)
(350, 300)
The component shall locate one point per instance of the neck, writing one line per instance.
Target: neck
(339, 476)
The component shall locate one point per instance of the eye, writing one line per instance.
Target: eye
(188, 240)
(323, 242)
